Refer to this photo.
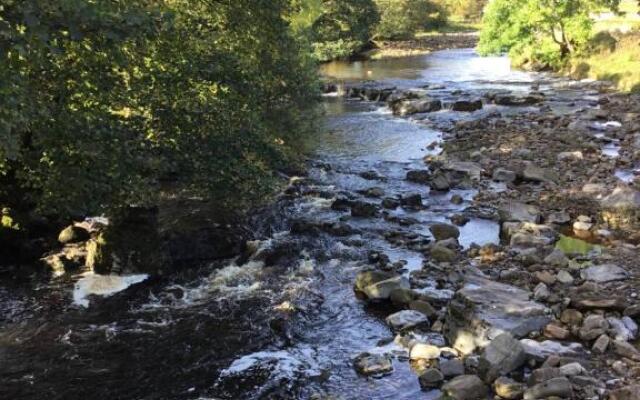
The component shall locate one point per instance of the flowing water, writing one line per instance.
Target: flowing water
(283, 329)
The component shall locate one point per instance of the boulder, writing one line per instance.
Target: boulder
(407, 319)
(409, 107)
(366, 278)
(382, 290)
(363, 209)
(560, 387)
(411, 200)
(483, 309)
(514, 211)
(507, 388)
(73, 234)
(621, 208)
(504, 175)
(512, 100)
(423, 351)
(440, 182)
(533, 173)
(373, 364)
(503, 355)
(440, 253)
(431, 378)
(444, 231)
(604, 273)
(467, 105)
(419, 176)
(452, 368)
(466, 387)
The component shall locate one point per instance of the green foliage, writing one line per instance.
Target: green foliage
(343, 27)
(401, 19)
(539, 32)
(465, 10)
(102, 103)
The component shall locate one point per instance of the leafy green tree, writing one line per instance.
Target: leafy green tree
(466, 10)
(539, 31)
(343, 27)
(401, 19)
(108, 104)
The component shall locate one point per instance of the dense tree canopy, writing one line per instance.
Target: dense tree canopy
(539, 31)
(401, 19)
(343, 27)
(101, 102)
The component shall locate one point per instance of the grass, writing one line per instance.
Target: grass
(619, 64)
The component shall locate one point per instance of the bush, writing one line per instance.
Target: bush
(401, 19)
(104, 102)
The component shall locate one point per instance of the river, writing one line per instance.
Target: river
(283, 329)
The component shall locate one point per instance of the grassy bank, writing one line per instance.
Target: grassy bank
(615, 57)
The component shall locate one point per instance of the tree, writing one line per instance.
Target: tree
(401, 19)
(343, 27)
(107, 104)
(546, 31)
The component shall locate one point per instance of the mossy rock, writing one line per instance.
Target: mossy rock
(73, 234)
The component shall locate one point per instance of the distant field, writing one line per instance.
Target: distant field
(629, 20)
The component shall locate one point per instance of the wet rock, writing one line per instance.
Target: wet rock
(519, 212)
(366, 278)
(419, 176)
(373, 364)
(504, 175)
(483, 309)
(430, 379)
(341, 204)
(73, 234)
(374, 192)
(440, 253)
(459, 219)
(511, 100)
(466, 387)
(424, 351)
(539, 351)
(412, 200)
(382, 290)
(390, 203)
(452, 368)
(407, 319)
(371, 176)
(457, 199)
(363, 209)
(507, 388)
(461, 170)
(503, 355)
(424, 307)
(440, 182)
(401, 297)
(467, 105)
(409, 107)
(444, 231)
(604, 273)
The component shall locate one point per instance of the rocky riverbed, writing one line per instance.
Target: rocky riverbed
(463, 231)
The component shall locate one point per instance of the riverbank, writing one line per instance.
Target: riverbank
(551, 310)
(423, 44)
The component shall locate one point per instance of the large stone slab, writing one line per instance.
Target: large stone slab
(483, 309)
(604, 273)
